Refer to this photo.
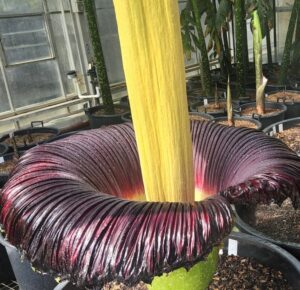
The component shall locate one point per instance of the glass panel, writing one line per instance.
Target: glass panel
(33, 83)
(54, 5)
(4, 105)
(111, 44)
(20, 6)
(61, 51)
(24, 39)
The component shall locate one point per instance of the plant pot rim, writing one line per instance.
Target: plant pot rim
(262, 236)
(126, 117)
(256, 122)
(288, 102)
(282, 107)
(204, 115)
(4, 148)
(210, 101)
(270, 128)
(51, 130)
(92, 110)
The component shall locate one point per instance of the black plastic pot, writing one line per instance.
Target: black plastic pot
(253, 121)
(104, 120)
(3, 149)
(4, 176)
(6, 271)
(270, 118)
(265, 253)
(246, 213)
(201, 116)
(26, 278)
(124, 101)
(282, 125)
(293, 107)
(127, 117)
(24, 132)
(215, 114)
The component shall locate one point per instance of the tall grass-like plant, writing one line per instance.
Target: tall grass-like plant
(286, 58)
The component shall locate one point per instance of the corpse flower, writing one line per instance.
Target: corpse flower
(128, 204)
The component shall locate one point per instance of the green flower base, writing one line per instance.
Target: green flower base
(197, 278)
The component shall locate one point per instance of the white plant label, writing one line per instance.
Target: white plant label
(232, 247)
(280, 127)
(274, 129)
(1, 160)
(205, 102)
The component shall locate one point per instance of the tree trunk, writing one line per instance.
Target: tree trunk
(261, 81)
(288, 44)
(99, 57)
(205, 67)
(239, 30)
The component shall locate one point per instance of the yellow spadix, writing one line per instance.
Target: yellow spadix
(152, 54)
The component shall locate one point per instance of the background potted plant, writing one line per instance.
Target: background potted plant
(266, 113)
(107, 113)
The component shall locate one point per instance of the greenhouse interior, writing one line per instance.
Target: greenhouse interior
(149, 144)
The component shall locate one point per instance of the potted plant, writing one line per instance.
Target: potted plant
(266, 113)
(266, 224)
(107, 113)
(27, 138)
(215, 107)
(131, 205)
(230, 120)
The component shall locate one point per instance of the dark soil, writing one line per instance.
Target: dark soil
(118, 111)
(291, 137)
(250, 111)
(284, 96)
(29, 139)
(245, 273)
(239, 123)
(280, 223)
(233, 273)
(198, 118)
(7, 167)
(212, 108)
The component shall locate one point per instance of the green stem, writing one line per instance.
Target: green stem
(239, 30)
(260, 80)
(288, 44)
(205, 67)
(99, 57)
(269, 48)
(245, 38)
(295, 61)
(229, 105)
(227, 51)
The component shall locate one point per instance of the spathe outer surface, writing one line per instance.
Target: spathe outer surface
(67, 205)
